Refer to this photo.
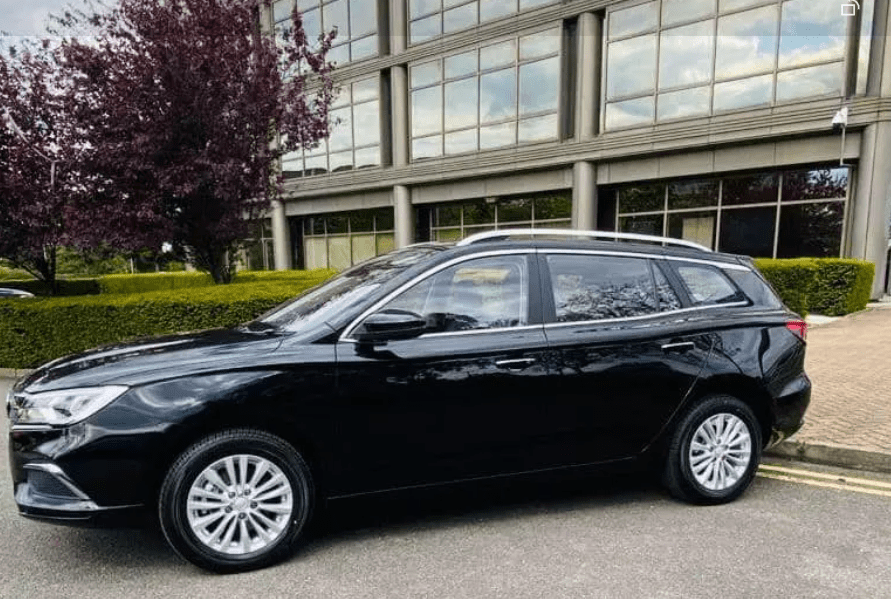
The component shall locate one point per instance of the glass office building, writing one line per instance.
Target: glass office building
(708, 120)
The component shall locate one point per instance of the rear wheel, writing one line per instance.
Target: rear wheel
(714, 451)
(237, 500)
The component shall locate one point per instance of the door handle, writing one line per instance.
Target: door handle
(680, 346)
(516, 364)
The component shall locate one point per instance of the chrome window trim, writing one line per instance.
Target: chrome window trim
(527, 327)
(724, 265)
(550, 325)
(345, 336)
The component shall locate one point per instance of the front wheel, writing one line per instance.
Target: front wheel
(235, 501)
(714, 451)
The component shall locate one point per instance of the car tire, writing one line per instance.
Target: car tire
(236, 500)
(714, 451)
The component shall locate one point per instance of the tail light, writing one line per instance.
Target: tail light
(799, 327)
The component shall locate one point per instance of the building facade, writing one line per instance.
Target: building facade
(708, 120)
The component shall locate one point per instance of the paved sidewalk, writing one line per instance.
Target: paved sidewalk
(849, 420)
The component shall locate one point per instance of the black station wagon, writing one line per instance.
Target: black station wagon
(511, 352)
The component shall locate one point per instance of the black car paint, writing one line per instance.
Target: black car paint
(416, 411)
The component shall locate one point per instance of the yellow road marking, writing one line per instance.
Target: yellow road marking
(822, 475)
(828, 481)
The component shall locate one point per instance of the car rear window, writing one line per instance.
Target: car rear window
(754, 286)
(707, 284)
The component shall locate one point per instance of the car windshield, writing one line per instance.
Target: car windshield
(342, 293)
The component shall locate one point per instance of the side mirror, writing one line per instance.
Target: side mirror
(390, 325)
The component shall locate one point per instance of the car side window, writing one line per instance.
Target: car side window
(590, 287)
(668, 299)
(708, 285)
(484, 293)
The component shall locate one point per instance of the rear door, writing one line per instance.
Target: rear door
(628, 353)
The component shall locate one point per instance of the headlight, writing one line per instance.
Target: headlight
(60, 408)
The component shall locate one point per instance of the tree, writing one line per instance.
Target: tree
(39, 149)
(182, 102)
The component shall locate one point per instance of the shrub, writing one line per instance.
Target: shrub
(168, 281)
(829, 286)
(38, 330)
(65, 286)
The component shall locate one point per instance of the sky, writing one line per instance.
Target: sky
(29, 17)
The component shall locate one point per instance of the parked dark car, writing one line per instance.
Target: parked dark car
(6, 293)
(509, 353)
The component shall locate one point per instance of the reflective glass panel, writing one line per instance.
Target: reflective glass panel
(364, 48)
(539, 85)
(426, 74)
(385, 243)
(498, 95)
(426, 28)
(631, 66)
(339, 54)
(460, 64)
(748, 231)
(864, 46)
(451, 3)
(698, 227)
(747, 43)
(368, 157)
(692, 194)
(538, 128)
(426, 147)
(316, 165)
(645, 225)
(497, 55)
(677, 11)
(363, 248)
(366, 89)
(751, 189)
(459, 18)
(312, 24)
(492, 9)
(642, 198)
(687, 102)
(461, 142)
(629, 112)
(426, 111)
(363, 17)
(755, 91)
(281, 10)
(341, 136)
(632, 20)
(707, 284)
(821, 80)
(497, 136)
(514, 210)
(341, 161)
(553, 207)
(418, 8)
(685, 55)
(728, 5)
(448, 215)
(366, 124)
(461, 104)
(820, 184)
(811, 32)
(668, 299)
(334, 14)
(540, 44)
(813, 230)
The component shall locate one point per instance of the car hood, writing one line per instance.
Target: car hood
(141, 361)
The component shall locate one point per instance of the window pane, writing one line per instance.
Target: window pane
(551, 207)
(312, 24)
(461, 142)
(366, 157)
(343, 98)
(687, 102)
(426, 28)
(698, 227)
(497, 136)
(811, 32)
(366, 124)
(460, 64)
(540, 44)
(342, 131)
(341, 161)
(339, 254)
(315, 253)
(479, 212)
(708, 285)
(822, 184)
(748, 231)
(363, 17)
(385, 243)
(448, 215)
(668, 299)
(364, 48)
(629, 113)
(631, 67)
(756, 91)
(418, 8)
(384, 219)
(538, 129)
(426, 111)
(813, 81)
(747, 43)
(497, 55)
(600, 288)
(363, 248)
(813, 230)
(316, 165)
(685, 55)
(728, 5)
(539, 85)
(461, 104)
(281, 10)
(498, 95)
(426, 147)
(645, 225)
(692, 194)
(676, 11)
(754, 189)
(426, 74)
(642, 198)
(492, 9)
(514, 210)
(339, 54)
(334, 14)
(632, 20)
(459, 18)
(366, 89)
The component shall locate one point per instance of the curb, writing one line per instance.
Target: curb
(833, 455)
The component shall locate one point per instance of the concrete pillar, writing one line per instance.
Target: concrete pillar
(587, 100)
(872, 204)
(399, 116)
(878, 80)
(404, 216)
(281, 236)
(584, 196)
(398, 27)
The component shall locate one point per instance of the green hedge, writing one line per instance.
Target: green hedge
(828, 286)
(65, 286)
(168, 281)
(35, 331)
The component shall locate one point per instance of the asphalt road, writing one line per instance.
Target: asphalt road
(607, 537)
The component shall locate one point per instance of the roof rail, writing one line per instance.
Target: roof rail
(508, 233)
